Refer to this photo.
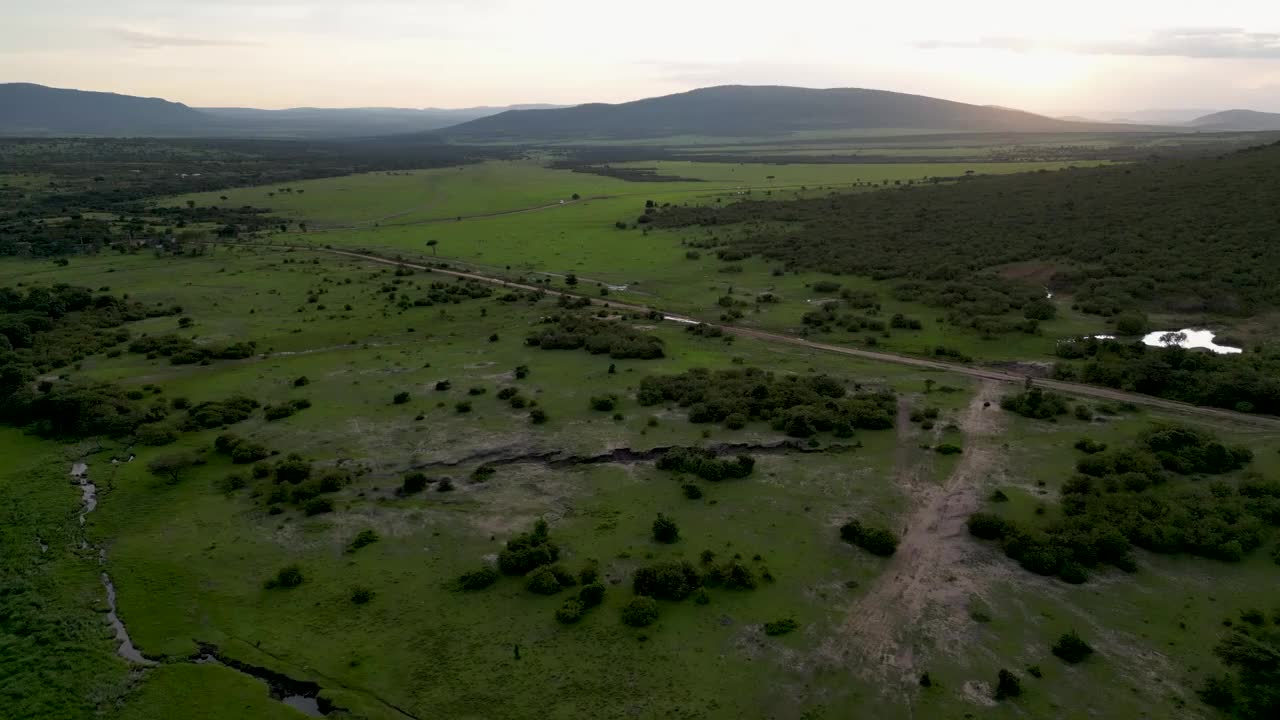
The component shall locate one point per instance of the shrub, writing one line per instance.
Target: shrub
(733, 575)
(571, 611)
(361, 595)
(604, 403)
(1035, 403)
(1089, 446)
(414, 482)
(948, 449)
(477, 391)
(232, 483)
(463, 406)
(691, 491)
(317, 506)
(705, 465)
(302, 381)
(507, 393)
(701, 596)
(289, 576)
(174, 467)
(443, 385)
(278, 412)
(400, 398)
(665, 529)
(668, 581)
(780, 627)
(640, 612)
(988, 526)
(477, 579)
(1007, 685)
(591, 595)
(589, 573)
(293, 469)
(249, 452)
(528, 551)
(1035, 671)
(543, 581)
(877, 541)
(1072, 648)
(362, 538)
(445, 485)
(537, 416)
(156, 435)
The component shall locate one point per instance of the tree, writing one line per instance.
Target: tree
(289, 576)
(665, 529)
(640, 612)
(571, 280)
(1071, 648)
(172, 468)
(414, 483)
(1131, 324)
(401, 398)
(433, 244)
(1007, 685)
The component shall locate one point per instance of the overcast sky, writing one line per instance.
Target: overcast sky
(1086, 56)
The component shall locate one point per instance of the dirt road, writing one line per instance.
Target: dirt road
(1260, 422)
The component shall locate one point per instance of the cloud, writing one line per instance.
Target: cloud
(1217, 43)
(153, 41)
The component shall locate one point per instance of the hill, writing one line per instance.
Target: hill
(737, 110)
(28, 109)
(1238, 120)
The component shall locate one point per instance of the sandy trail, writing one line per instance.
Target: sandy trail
(932, 570)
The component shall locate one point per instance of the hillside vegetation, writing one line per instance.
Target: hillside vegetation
(1180, 236)
(737, 110)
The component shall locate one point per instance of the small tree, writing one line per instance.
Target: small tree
(433, 244)
(414, 482)
(478, 579)
(401, 398)
(174, 467)
(1007, 685)
(665, 529)
(640, 612)
(1072, 648)
(289, 576)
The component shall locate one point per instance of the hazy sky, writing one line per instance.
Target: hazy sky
(1086, 56)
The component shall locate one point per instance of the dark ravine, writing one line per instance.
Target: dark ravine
(626, 456)
(301, 695)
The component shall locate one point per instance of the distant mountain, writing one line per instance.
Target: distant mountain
(27, 109)
(1238, 120)
(737, 110)
(36, 110)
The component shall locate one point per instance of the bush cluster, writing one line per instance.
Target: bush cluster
(704, 464)
(875, 540)
(801, 406)
(1035, 403)
(573, 331)
(528, 551)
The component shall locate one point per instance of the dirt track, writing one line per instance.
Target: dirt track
(1261, 422)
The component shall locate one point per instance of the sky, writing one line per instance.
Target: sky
(1086, 57)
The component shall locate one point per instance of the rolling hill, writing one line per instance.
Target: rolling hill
(1237, 120)
(737, 110)
(38, 111)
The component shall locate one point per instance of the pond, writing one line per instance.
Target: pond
(1188, 338)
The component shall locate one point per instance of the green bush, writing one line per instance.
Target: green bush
(400, 398)
(667, 580)
(289, 576)
(604, 403)
(640, 612)
(570, 612)
(1007, 685)
(875, 540)
(1036, 404)
(363, 538)
(591, 595)
(155, 435)
(478, 579)
(781, 627)
(528, 551)
(544, 581)
(948, 449)
(361, 595)
(293, 469)
(537, 416)
(691, 491)
(414, 482)
(733, 575)
(317, 506)
(665, 529)
(1072, 648)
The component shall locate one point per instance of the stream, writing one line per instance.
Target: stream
(301, 695)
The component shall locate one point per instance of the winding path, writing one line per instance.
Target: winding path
(1262, 422)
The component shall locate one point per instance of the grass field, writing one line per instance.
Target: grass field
(189, 560)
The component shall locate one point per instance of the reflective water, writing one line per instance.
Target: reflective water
(1188, 338)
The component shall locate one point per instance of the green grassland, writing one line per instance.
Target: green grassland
(189, 560)
(581, 238)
